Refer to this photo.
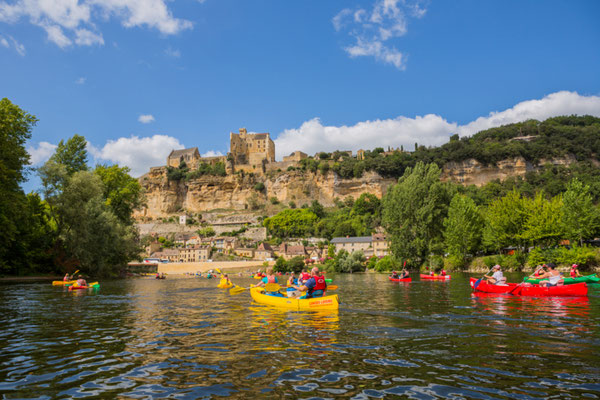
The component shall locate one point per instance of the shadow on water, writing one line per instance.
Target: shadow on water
(184, 338)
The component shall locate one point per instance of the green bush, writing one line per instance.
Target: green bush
(259, 187)
(296, 264)
(274, 200)
(384, 264)
(280, 265)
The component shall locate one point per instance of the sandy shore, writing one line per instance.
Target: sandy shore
(232, 266)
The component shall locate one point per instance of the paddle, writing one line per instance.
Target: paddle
(238, 289)
(478, 281)
(283, 289)
(522, 283)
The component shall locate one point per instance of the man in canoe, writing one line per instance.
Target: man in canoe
(395, 275)
(304, 276)
(405, 273)
(552, 277)
(80, 281)
(497, 277)
(292, 283)
(315, 286)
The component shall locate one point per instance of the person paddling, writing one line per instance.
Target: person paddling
(574, 271)
(80, 281)
(270, 278)
(443, 272)
(395, 275)
(292, 283)
(304, 276)
(497, 277)
(405, 273)
(552, 277)
(67, 277)
(315, 286)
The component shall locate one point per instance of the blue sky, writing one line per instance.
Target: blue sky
(138, 78)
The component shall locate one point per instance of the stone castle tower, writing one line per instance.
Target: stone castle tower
(251, 152)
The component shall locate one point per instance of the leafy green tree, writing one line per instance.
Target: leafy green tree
(280, 265)
(15, 130)
(384, 264)
(72, 154)
(295, 264)
(580, 218)
(505, 220)
(206, 232)
(349, 262)
(543, 220)
(317, 208)
(122, 192)
(367, 203)
(462, 227)
(291, 223)
(413, 211)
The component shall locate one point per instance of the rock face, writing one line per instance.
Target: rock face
(472, 172)
(236, 192)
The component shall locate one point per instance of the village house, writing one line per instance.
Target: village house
(374, 245)
(182, 239)
(195, 254)
(263, 252)
(171, 255)
(244, 252)
(225, 245)
(189, 156)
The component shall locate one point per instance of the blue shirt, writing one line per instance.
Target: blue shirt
(310, 284)
(266, 280)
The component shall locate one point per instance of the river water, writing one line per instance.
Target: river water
(184, 338)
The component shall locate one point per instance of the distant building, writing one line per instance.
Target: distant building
(375, 245)
(195, 254)
(189, 156)
(296, 156)
(250, 152)
(244, 252)
(263, 251)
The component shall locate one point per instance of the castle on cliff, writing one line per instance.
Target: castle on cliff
(248, 152)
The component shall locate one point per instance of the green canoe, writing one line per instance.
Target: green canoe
(587, 279)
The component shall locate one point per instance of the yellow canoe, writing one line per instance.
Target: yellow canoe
(318, 303)
(62, 283)
(224, 284)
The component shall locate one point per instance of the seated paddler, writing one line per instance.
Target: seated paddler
(315, 286)
(269, 278)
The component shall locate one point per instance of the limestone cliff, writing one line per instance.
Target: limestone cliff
(207, 192)
(233, 192)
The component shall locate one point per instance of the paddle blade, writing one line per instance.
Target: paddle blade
(94, 284)
(236, 290)
(272, 287)
(332, 287)
(477, 282)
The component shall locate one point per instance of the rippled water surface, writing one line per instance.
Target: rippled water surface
(184, 338)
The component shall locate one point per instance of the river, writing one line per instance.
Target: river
(184, 338)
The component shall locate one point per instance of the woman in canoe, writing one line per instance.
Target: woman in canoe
(552, 277)
(443, 272)
(574, 271)
(304, 276)
(497, 277)
(269, 278)
(394, 275)
(67, 277)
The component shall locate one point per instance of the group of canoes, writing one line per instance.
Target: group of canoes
(75, 284)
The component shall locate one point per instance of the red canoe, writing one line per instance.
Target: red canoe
(400, 280)
(435, 278)
(526, 289)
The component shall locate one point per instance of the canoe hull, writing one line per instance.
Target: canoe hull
(62, 283)
(409, 279)
(435, 278)
(319, 303)
(570, 281)
(574, 290)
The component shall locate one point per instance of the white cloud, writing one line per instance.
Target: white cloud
(146, 118)
(80, 80)
(137, 153)
(372, 29)
(212, 153)
(429, 130)
(41, 153)
(172, 52)
(10, 41)
(69, 22)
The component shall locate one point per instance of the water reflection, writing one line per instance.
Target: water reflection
(184, 338)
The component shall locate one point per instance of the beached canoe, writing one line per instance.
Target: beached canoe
(318, 303)
(569, 281)
(435, 277)
(62, 283)
(527, 289)
(400, 280)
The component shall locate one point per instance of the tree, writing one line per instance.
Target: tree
(122, 192)
(413, 211)
(367, 203)
(72, 154)
(206, 232)
(505, 220)
(291, 223)
(280, 265)
(580, 218)
(543, 220)
(462, 227)
(15, 130)
(317, 208)
(295, 264)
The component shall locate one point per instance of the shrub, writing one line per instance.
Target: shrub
(259, 187)
(280, 265)
(384, 264)
(274, 200)
(292, 204)
(296, 264)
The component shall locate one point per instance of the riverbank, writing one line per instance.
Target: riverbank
(193, 267)
(30, 278)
